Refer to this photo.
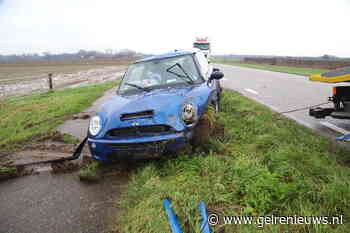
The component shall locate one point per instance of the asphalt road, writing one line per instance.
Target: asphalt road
(57, 203)
(283, 92)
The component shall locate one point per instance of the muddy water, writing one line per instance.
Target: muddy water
(57, 203)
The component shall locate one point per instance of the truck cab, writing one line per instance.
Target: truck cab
(204, 45)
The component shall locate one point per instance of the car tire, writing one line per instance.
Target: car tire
(204, 128)
(201, 134)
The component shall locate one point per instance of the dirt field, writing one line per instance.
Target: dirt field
(32, 70)
(22, 71)
(24, 79)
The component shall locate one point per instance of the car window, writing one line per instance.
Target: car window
(161, 73)
(203, 64)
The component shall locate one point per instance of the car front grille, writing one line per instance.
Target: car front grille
(136, 115)
(157, 146)
(141, 131)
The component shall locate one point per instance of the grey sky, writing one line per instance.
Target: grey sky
(274, 27)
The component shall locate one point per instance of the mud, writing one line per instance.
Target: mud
(47, 147)
(63, 167)
(202, 132)
(82, 116)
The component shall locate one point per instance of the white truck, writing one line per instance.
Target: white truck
(203, 44)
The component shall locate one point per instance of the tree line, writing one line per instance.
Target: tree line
(80, 55)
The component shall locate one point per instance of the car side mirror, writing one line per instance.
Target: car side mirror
(216, 75)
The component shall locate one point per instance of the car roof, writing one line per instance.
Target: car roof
(168, 55)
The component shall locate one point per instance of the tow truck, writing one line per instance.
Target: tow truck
(340, 97)
(203, 44)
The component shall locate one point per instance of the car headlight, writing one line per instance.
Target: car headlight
(95, 125)
(189, 113)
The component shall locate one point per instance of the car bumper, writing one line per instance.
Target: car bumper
(112, 149)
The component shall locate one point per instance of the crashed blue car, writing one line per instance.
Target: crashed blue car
(157, 106)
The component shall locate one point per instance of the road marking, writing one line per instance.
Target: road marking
(251, 91)
(334, 127)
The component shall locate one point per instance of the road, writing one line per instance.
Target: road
(57, 203)
(282, 92)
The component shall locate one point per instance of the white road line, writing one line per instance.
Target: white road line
(334, 127)
(251, 91)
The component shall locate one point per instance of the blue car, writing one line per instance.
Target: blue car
(157, 106)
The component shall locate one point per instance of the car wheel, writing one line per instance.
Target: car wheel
(204, 127)
(201, 133)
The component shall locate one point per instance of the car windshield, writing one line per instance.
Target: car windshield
(160, 73)
(202, 46)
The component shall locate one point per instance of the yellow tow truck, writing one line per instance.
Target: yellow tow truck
(340, 97)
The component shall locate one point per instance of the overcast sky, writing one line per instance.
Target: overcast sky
(270, 27)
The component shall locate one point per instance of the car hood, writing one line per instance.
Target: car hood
(165, 103)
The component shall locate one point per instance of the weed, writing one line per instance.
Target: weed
(90, 172)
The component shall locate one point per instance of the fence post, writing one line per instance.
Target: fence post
(50, 81)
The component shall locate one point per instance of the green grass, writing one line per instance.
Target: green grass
(23, 118)
(7, 169)
(283, 69)
(266, 164)
(90, 172)
(69, 139)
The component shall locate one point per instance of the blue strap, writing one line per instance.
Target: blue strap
(204, 218)
(174, 225)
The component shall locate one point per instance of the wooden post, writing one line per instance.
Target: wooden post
(50, 82)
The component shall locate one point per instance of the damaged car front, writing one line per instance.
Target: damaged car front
(157, 105)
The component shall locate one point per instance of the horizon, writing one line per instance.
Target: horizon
(137, 52)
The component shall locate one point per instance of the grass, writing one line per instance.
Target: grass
(69, 139)
(265, 164)
(7, 169)
(23, 118)
(90, 172)
(283, 69)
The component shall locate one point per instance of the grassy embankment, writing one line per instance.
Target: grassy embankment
(23, 118)
(266, 164)
(283, 69)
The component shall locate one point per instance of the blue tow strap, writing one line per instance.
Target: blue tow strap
(173, 223)
(204, 218)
